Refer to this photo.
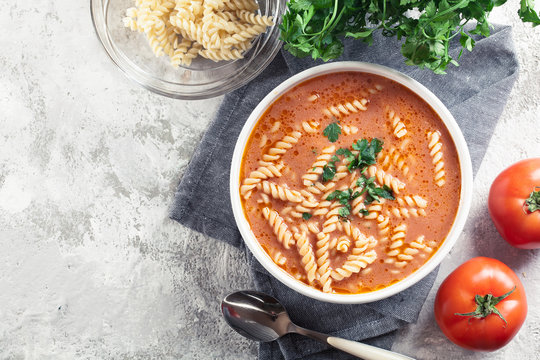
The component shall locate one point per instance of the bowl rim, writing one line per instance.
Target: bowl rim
(463, 158)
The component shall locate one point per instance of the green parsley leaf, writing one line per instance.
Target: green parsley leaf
(333, 195)
(343, 151)
(367, 153)
(373, 193)
(317, 27)
(364, 212)
(360, 145)
(344, 212)
(343, 197)
(527, 14)
(332, 132)
(306, 216)
(329, 172)
(299, 5)
(349, 156)
(339, 195)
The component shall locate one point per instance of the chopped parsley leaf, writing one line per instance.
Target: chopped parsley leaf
(367, 153)
(329, 172)
(344, 211)
(332, 132)
(374, 193)
(306, 216)
(343, 197)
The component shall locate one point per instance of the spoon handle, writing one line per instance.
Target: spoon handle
(364, 351)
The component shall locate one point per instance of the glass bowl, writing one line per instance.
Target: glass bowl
(203, 79)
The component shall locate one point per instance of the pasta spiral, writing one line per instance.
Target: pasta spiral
(412, 200)
(386, 179)
(343, 244)
(394, 158)
(254, 19)
(280, 192)
(383, 223)
(349, 129)
(310, 126)
(323, 261)
(435, 148)
(243, 33)
(346, 108)
(281, 229)
(399, 127)
(354, 264)
(307, 254)
(282, 146)
(223, 54)
(397, 239)
(255, 177)
(316, 169)
(241, 5)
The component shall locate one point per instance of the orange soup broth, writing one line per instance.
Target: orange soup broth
(419, 118)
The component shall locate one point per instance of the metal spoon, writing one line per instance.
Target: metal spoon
(261, 317)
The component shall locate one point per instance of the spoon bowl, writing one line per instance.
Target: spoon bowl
(255, 315)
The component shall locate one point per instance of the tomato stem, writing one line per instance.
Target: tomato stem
(485, 305)
(533, 201)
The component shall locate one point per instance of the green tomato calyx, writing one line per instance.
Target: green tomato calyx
(485, 305)
(533, 201)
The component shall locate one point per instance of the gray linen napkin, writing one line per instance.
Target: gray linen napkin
(475, 93)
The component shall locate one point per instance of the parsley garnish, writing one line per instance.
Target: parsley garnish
(329, 170)
(332, 132)
(306, 216)
(533, 201)
(316, 28)
(348, 155)
(367, 153)
(344, 211)
(364, 212)
(343, 197)
(374, 193)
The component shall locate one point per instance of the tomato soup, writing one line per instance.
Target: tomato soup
(350, 182)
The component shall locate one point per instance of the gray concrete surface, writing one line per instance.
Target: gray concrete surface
(90, 265)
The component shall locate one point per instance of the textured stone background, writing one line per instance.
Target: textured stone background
(90, 265)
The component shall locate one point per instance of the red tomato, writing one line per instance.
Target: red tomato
(514, 204)
(477, 290)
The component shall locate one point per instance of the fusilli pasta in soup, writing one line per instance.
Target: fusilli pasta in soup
(352, 179)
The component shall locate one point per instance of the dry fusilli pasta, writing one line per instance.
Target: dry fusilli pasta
(216, 29)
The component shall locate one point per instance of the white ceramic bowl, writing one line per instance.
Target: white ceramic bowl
(464, 201)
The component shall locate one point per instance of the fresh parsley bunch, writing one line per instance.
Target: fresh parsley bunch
(317, 27)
